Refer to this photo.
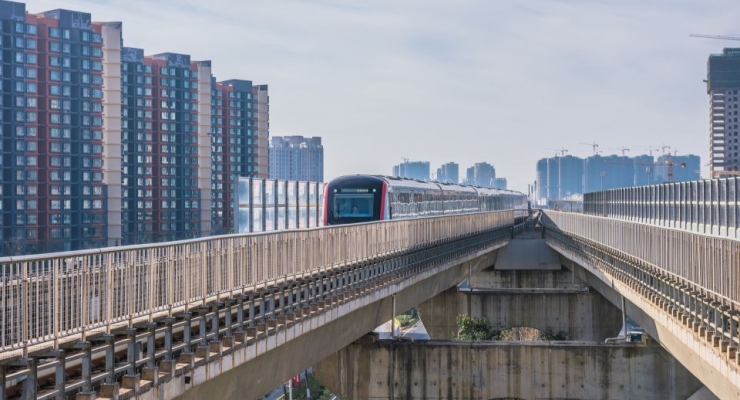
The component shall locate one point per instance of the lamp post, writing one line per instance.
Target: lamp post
(602, 179)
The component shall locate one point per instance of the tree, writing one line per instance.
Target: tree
(471, 328)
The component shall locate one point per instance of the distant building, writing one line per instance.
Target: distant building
(448, 173)
(685, 168)
(723, 83)
(412, 170)
(104, 145)
(607, 172)
(644, 170)
(541, 192)
(296, 158)
(571, 177)
(553, 178)
(499, 183)
(481, 174)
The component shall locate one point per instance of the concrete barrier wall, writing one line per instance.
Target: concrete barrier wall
(521, 279)
(492, 370)
(538, 299)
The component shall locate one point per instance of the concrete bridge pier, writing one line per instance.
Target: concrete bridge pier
(549, 299)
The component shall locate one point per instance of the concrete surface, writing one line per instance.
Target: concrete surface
(493, 370)
(254, 370)
(533, 254)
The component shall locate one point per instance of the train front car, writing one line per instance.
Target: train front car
(353, 199)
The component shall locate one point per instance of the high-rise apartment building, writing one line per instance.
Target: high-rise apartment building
(262, 103)
(481, 174)
(448, 173)
(296, 158)
(103, 145)
(561, 177)
(723, 83)
(685, 168)
(237, 146)
(499, 183)
(607, 172)
(644, 170)
(542, 182)
(53, 193)
(570, 176)
(553, 178)
(413, 170)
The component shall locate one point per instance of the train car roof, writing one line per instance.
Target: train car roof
(415, 183)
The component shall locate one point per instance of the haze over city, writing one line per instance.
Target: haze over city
(462, 81)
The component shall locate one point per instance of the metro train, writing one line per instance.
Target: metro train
(362, 198)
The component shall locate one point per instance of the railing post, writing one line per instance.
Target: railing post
(168, 339)
(151, 350)
(240, 312)
(30, 385)
(60, 377)
(86, 348)
(228, 323)
(132, 351)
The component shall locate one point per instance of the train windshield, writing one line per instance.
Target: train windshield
(351, 204)
(353, 199)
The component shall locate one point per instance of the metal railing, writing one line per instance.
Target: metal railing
(707, 206)
(51, 299)
(706, 263)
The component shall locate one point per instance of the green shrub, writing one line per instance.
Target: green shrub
(550, 335)
(471, 328)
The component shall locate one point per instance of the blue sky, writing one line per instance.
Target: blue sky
(464, 81)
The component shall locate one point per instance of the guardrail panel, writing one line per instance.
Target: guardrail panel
(62, 296)
(706, 262)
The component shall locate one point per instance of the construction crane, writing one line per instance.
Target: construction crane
(562, 151)
(719, 37)
(594, 145)
(667, 163)
(624, 150)
(650, 149)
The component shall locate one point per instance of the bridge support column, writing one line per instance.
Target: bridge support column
(732, 350)
(240, 312)
(109, 387)
(109, 342)
(132, 351)
(252, 309)
(228, 318)
(59, 372)
(201, 352)
(30, 385)
(215, 321)
(719, 328)
(286, 298)
(86, 348)
(168, 365)
(151, 351)
(187, 332)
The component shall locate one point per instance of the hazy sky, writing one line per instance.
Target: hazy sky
(455, 80)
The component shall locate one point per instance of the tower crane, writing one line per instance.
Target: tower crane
(624, 150)
(594, 145)
(719, 37)
(650, 149)
(667, 163)
(562, 151)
